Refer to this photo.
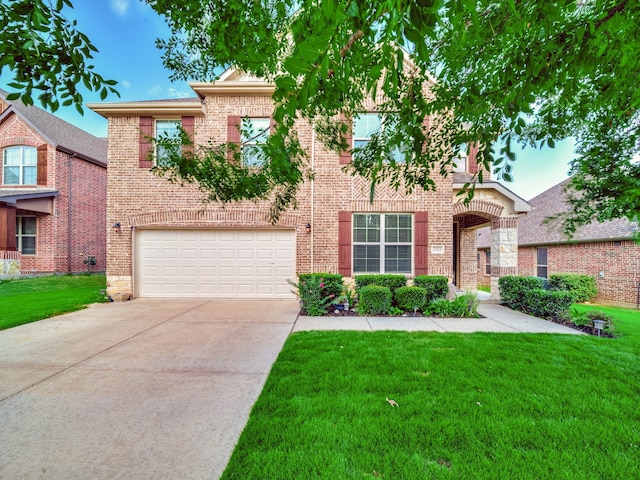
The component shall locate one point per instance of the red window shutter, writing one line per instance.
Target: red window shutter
(146, 146)
(42, 165)
(345, 157)
(472, 167)
(188, 126)
(234, 123)
(344, 243)
(421, 242)
(8, 228)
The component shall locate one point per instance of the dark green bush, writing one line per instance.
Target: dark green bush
(332, 282)
(514, 290)
(374, 300)
(436, 287)
(392, 282)
(550, 304)
(582, 287)
(408, 298)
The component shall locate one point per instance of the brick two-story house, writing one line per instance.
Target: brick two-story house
(52, 193)
(171, 244)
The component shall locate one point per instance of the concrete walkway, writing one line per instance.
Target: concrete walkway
(496, 319)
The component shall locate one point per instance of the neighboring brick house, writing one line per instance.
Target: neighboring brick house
(52, 193)
(602, 250)
(171, 244)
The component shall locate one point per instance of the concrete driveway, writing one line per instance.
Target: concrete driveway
(147, 389)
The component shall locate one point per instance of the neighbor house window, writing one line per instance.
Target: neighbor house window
(166, 129)
(26, 235)
(382, 243)
(541, 263)
(255, 132)
(365, 125)
(487, 261)
(20, 165)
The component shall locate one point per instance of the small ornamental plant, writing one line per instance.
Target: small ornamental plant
(314, 294)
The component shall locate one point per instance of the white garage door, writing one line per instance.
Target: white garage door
(215, 263)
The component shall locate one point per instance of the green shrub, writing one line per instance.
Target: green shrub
(316, 293)
(374, 300)
(436, 287)
(392, 282)
(332, 282)
(463, 306)
(514, 290)
(550, 304)
(410, 298)
(587, 319)
(582, 287)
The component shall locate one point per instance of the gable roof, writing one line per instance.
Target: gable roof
(62, 135)
(533, 231)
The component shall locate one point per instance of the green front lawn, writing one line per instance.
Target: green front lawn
(481, 406)
(27, 300)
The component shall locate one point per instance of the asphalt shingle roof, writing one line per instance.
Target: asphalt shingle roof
(533, 231)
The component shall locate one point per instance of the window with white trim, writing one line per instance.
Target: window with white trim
(460, 160)
(166, 129)
(26, 235)
(255, 132)
(382, 243)
(20, 165)
(541, 262)
(487, 261)
(365, 125)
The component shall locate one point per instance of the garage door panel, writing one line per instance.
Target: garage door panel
(215, 263)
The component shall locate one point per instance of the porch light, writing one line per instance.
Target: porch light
(308, 227)
(117, 227)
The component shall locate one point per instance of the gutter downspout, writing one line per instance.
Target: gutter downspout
(69, 214)
(313, 155)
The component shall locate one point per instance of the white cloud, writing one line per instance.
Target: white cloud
(154, 91)
(174, 93)
(120, 7)
(125, 84)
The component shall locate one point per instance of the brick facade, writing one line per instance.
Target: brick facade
(75, 189)
(137, 198)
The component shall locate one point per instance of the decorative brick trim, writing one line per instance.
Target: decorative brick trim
(217, 218)
(503, 271)
(11, 141)
(507, 222)
(483, 207)
(408, 205)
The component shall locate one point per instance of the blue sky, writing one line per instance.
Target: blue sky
(124, 31)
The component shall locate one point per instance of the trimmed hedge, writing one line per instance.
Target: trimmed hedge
(436, 287)
(408, 298)
(392, 282)
(582, 287)
(374, 300)
(514, 290)
(332, 282)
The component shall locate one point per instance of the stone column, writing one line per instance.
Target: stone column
(504, 251)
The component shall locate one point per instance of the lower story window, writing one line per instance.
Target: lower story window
(382, 243)
(487, 265)
(541, 263)
(26, 235)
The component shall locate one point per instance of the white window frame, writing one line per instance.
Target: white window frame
(461, 161)
(361, 141)
(382, 242)
(22, 165)
(165, 127)
(254, 132)
(20, 235)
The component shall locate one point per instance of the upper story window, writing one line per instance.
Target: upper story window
(255, 132)
(460, 161)
(26, 235)
(365, 125)
(20, 165)
(382, 243)
(165, 129)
